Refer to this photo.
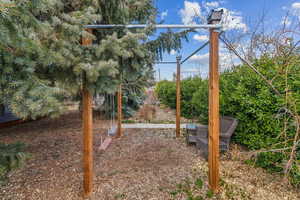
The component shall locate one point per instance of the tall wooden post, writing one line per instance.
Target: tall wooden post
(178, 60)
(214, 124)
(87, 116)
(119, 134)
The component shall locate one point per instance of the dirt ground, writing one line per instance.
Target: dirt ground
(144, 164)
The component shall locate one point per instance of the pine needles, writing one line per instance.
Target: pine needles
(12, 156)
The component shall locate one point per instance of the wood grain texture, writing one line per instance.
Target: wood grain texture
(178, 110)
(87, 116)
(214, 123)
(119, 133)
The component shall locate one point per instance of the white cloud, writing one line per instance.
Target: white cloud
(200, 58)
(193, 12)
(189, 12)
(296, 5)
(226, 59)
(296, 9)
(164, 14)
(232, 20)
(200, 38)
(213, 4)
(173, 52)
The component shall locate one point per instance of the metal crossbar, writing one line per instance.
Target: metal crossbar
(196, 51)
(165, 62)
(177, 26)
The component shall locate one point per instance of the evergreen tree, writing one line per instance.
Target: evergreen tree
(42, 59)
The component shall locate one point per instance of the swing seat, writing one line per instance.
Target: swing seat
(112, 131)
(105, 144)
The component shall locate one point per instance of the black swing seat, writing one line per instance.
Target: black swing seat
(198, 134)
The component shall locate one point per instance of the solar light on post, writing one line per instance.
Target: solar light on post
(215, 16)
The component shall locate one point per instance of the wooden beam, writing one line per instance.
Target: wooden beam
(87, 116)
(178, 58)
(214, 123)
(119, 133)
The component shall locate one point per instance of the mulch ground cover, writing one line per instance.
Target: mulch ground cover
(143, 164)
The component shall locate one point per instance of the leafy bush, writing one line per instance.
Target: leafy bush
(12, 156)
(188, 89)
(272, 161)
(245, 96)
(166, 93)
(200, 102)
(295, 175)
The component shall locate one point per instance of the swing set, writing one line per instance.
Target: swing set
(214, 27)
(213, 125)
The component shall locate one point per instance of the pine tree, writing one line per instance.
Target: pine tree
(42, 59)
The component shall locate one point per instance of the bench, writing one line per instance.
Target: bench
(198, 134)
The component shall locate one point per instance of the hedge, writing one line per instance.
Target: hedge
(245, 96)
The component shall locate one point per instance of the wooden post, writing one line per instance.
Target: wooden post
(214, 124)
(87, 116)
(178, 60)
(119, 134)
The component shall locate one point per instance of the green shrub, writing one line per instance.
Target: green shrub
(12, 156)
(188, 89)
(200, 102)
(245, 96)
(272, 161)
(166, 93)
(295, 174)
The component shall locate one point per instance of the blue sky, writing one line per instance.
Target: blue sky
(242, 14)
